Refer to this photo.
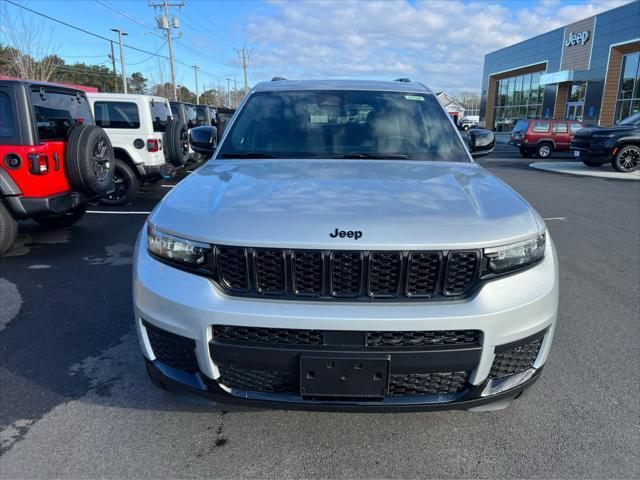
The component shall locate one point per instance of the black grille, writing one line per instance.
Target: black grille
(307, 273)
(257, 336)
(384, 274)
(173, 350)
(346, 274)
(423, 339)
(515, 360)
(270, 271)
(423, 272)
(462, 272)
(274, 337)
(442, 383)
(364, 275)
(270, 381)
(233, 268)
(274, 381)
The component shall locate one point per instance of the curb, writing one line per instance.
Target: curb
(578, 168)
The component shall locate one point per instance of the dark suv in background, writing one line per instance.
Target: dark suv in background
(619, 144)
(543, 137)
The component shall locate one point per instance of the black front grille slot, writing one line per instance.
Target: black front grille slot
(384, 274)
(269, 266)
(346, 274)
(307, 273)
(268, 381)
(462, 272)
(233, 268)
(423, 270)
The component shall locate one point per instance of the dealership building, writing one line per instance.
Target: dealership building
(588, 71)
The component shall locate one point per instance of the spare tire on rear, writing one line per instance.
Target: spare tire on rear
(90, 162)
(177, 142)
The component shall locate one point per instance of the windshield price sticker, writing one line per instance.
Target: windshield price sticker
(414, 97)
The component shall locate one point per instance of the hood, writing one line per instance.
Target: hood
(588, 132)
(301, 203)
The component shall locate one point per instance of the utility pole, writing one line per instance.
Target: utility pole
(113, 64)
(244, 56)
(196, 68)
(235, 93)
(229, 92)
(124, 72)
(166, 23)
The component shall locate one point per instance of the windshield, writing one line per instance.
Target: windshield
(343, 124)
(631, 119)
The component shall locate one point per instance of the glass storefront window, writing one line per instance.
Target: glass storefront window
(629, 87)
(577, 92)
(519, 97)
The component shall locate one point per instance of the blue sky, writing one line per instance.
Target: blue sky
(441, 43)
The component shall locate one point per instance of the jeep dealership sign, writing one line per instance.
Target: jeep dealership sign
(579, 38)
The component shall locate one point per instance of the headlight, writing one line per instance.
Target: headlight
(515, 256)
(177, 250)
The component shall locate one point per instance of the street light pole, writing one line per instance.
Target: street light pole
(122, 67)
(196, 68)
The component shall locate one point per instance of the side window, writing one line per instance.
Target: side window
(560, 127)
(117, 115)
(56, 112)
(575, 127)
(191, 116)
(540, 127)
(7, 128)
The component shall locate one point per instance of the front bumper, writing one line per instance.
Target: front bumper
(512, 315)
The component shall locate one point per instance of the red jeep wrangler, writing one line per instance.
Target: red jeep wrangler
(53, 158)
(543, 137)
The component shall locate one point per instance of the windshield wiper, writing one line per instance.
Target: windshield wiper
(247, 155)
(375, 156)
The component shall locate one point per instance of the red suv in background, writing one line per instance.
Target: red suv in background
(543, 137)
(53, 158)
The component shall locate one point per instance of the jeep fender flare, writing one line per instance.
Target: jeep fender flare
(624, 141)
(8, 187)
(122, 154)
(547, 140)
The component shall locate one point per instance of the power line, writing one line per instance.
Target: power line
(106, 4)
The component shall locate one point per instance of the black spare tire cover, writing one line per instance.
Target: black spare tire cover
(177, 142)
(89, 160)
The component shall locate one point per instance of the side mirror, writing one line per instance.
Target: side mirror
(481, 142)
(204, 140)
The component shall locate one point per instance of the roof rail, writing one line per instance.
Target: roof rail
(277, 79)
(403, 79)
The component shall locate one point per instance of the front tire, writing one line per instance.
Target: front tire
(64, 219)
(628, 159)
(544, 150)
(126, 185)
(8, 229)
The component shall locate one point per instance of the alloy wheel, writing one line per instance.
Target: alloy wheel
(100, 162)
(630, 159)
(120, 187)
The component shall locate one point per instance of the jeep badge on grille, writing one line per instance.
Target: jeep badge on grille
(346, 233)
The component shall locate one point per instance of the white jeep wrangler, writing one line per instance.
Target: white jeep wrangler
(148, 143)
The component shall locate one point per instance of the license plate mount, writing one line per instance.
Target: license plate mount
(344, 376)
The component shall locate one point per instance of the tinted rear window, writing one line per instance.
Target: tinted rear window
(57, 112)
(6, 116)
(117, 115)
(160, 115)
(540, 127)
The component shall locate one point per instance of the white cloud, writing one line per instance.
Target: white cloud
(441, 43)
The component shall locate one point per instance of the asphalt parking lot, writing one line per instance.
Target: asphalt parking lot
(75, 400)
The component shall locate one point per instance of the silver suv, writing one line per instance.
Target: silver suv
(341, 250)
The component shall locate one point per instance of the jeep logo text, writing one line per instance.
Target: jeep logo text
(346, 233)
(579, 38)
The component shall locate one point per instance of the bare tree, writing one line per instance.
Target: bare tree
(32, 54)
(470, 101)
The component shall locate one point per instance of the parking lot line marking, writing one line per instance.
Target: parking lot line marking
(167, 186)
(113, 212)
(554, 218)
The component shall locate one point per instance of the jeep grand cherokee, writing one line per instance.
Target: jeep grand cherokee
(341, 250)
